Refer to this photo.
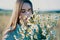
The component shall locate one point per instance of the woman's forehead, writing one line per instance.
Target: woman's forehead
(26, 6)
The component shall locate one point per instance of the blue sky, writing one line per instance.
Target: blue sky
(41, 4)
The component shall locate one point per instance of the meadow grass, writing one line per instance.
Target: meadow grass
(4, 19)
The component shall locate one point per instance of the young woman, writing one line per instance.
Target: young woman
(14, 30)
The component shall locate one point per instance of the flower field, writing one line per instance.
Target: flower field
(47, 22)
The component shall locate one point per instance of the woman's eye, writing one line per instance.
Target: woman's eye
(29, 9)
(23, 11)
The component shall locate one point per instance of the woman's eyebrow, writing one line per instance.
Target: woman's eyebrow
(22, 9)
(29, 8)
(25, 9)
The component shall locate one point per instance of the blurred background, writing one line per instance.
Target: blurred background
(48, 8)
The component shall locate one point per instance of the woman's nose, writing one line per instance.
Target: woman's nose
(27, 12)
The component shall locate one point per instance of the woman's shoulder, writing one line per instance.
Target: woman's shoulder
(8, 33)
(10, 29)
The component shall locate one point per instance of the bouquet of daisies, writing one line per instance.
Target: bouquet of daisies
(36, 29)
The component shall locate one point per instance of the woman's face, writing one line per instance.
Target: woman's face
(26, 10)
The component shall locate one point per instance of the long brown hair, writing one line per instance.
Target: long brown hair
(15, 15)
